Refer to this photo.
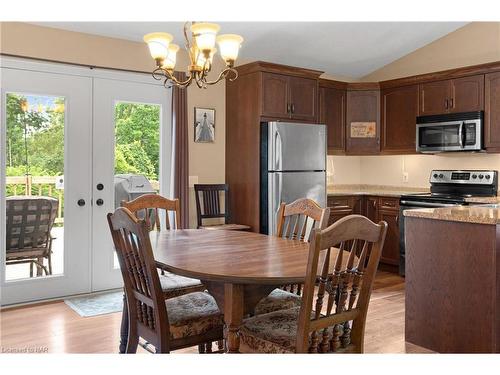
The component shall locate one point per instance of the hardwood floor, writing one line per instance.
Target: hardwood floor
(59, 329)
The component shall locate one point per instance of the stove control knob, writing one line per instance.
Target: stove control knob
(481, 176)
(487, 176)
(435, 175)
(474, 176)
(441, 175)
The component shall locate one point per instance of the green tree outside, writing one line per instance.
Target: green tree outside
(137, 133)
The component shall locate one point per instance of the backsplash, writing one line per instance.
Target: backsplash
(389, 169)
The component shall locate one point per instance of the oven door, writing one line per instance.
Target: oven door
(450, 136)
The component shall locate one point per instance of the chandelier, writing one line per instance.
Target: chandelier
(201, 50)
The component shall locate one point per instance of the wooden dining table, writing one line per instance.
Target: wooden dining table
(238, 268)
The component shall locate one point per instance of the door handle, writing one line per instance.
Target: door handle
(278, 151)
(446, 103)
(288, 108)
(461, 135)
(100, 186)
(99, 202)
(451, 103)
(81, 202)
(293, 108)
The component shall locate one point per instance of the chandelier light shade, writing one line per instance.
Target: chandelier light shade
(205, 34)
(169, 62)
(158, 44)
(229, 45)
(200, 39)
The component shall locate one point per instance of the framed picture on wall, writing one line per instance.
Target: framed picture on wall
(204, 125)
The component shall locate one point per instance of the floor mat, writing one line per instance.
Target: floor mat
(97, 304)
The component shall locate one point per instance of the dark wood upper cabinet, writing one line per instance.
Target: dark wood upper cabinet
(467, 94)
(275, 95)
(398, 117)
(492, 112)
(363, 110)
(303, 94)
(464, 94)
(332, 103)
(434, 98)
(289, 97)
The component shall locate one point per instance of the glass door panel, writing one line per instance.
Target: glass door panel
(45, 174)
(34, 186)
(137, 144)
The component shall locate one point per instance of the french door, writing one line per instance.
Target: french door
(65, 133)
(119, 107)
(45, 115)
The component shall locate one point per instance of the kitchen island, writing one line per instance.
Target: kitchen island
(453, 279)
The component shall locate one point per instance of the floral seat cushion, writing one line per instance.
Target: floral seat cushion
(277, 300)
(193, 314)
(275, 332)
(174, 285)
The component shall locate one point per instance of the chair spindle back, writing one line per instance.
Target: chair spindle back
(149, 206)
(208, 202)
(346, 281)
(297, 219)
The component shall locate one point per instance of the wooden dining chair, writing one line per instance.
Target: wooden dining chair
(175, 323)
(333, 319)
(208, 206)
(150, 207)
(296, 221)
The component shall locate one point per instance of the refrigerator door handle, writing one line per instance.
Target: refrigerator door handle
(277, 151)
(277, 196)
(280, 190)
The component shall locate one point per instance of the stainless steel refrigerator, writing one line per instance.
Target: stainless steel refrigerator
(292, 166)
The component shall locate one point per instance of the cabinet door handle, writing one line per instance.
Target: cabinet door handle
(397, 220)
(451, 103)
(288, 110)
(293, 108)
(446, 103)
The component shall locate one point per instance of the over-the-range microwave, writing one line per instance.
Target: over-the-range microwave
(450, 132)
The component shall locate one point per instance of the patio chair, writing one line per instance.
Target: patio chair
(28, 238)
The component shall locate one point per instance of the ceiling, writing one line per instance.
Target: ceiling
(348, 49)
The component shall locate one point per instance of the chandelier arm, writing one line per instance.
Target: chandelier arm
(199, 80)
(158, 74)
(188, 44)
(170, 77)
(224, 74)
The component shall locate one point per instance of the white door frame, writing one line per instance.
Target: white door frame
(67, 70)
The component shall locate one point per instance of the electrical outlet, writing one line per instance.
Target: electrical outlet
(405, 176)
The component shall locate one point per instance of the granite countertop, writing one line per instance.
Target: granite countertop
(483, 200)
(379, 190)
(480, 214)
(482, 210)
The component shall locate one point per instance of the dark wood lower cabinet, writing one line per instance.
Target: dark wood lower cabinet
(452, 302)
(390, 252)
(376, 209)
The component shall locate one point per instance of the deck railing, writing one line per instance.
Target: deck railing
(46, 186)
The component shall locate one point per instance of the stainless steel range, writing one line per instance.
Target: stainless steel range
(448, 188)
